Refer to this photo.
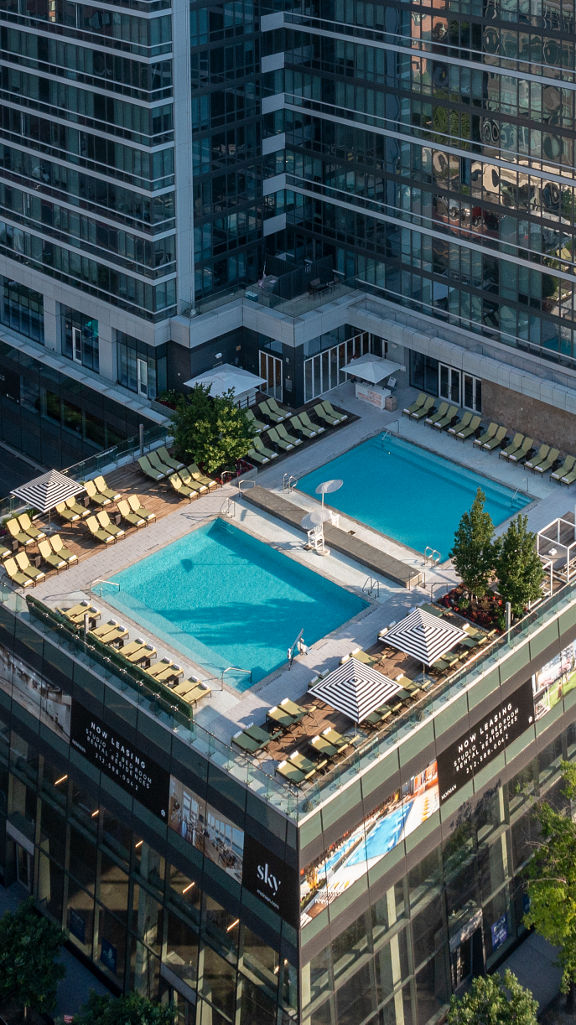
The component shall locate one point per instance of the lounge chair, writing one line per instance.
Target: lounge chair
(77, 613)
(305, 419)
(16, 575)
(297, 711)
(568, 465)
(170, 671)
(471, 429)
(292, 439)
(277, 408)
(282, 717)
(270, 413)
(70, 515)
(151, 471)
(103, 488)
(201, 690)
(76, 507)
(306, 765)
(29, 528)
(191, 481)
(106, 524)
(57, 545)
(158, 464)
(523, 451)
(138, 651)
(98, 532)
(418, 401)
(569, 477)
(424, 409)
(446, 420)
(5, 552)
(412, 688)
(110, 632)
(513, 447)
(24, 564)
(263, 450)
(537, 458)
(134, 503)
(339, 741)
(321, 746)
(321, 413)
(255, 457)
(50, 557)
(376, 718)
(488, 433)
(128, 516)
(196, 472)
(255, 423)
(495, 440)
(185, 490)
(336, 414)
(289, 772)
(94, 495)
(15, 531)
(297, 424)
(548, 462)
(461, 424)
(167, 459)
(275, 438)
(440, 412)
(247, 743)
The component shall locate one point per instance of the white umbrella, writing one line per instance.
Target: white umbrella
(355, 689)
(48, 490)
(371, 368)
(225, 378)
(424, 636)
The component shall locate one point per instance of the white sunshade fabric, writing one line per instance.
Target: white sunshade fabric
(371, 368)
(355, 689)
(227, 378)
(424, 636)
(44, 492)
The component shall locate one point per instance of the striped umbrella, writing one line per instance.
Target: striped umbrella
(44, 492)
(424, 636)
(355, 689)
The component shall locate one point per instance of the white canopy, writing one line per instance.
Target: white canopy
(45, 492)
(371, 368)
(225, 378)
(355, 689)
(424, 636)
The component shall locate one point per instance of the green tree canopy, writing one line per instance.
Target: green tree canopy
(473, 549)
(551, 882)
(127, 1010)
(210, 431)
(494, 1000)
(29, 946)
(520, 572)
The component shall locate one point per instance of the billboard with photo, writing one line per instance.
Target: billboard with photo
(207, 829)
(45, 701)
(555, 679)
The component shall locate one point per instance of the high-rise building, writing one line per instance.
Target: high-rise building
(283, 187)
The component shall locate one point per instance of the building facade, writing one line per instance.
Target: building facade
(281, 186)
(180, 869)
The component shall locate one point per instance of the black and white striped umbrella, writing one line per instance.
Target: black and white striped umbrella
(45, 492)
(355, 689)
(424, 636)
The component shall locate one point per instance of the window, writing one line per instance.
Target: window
(141, 368)
(80, 338)
(22, 309)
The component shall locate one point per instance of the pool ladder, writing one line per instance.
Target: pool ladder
(371, 586)
(228, 508)
(432, 556)
(289, 481)
(101, 580)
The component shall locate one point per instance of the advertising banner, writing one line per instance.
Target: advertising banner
(555, 679)
(206, 828)
(271, 879)
(130, 767)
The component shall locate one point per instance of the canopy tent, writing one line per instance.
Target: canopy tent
(355, 689)
(226, 378)
(45, 492)
(371, 368)
(424, 636)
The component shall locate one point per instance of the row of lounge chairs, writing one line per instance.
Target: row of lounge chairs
(299, 427)
(54, 553)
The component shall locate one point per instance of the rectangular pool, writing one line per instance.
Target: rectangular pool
(408, 493)
(225, 599)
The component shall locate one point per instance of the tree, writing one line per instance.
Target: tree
(518, 567)
(473, 550)
(29, 946)
(128, 1010)
(210, 431)
(494, 1000)
(551, 883)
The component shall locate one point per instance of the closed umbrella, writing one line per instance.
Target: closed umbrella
(355, 689)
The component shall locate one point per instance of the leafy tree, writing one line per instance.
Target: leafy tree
(29, 946)
(210, 431)
(128, 1010)
(494, 1000)
(520, 572)
(473, 550)
(551, 883)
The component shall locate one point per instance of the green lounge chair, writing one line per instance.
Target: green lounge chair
(114, 636)
(50, 557)
(57, 545)
(446, 420)
(461, 424)
(94, 495)
(246, 743)
(440, 412)
(29, 528)
(290, 773)
(306, 765)
(277, 408)
(134, 503)
(77, 613)
(15, 531)
(513, 447)
(471, 429)
(137, 651)
(129, 516)
(263, 450)
(297, 424)
(151, 471)
(104, 629)
(106, 524)
(418, 401)
(523, 451)
(196, 472)
(336, 414)
(191, 481)
(257, 425)
(339, 741)
(76, 507)
(297, 711)
(16, 575)
(201, 690)
(376, 718)
(488, 433)
(304, 417)
(424, 409)
(548, 463)
(568, 465)
(103, 488)
(167, 459)
(25, 566)
(178, 485)
(65, 513)
(292, 439)
(321, 746)
(277, 440)
(321, 413)
(495, 440)
(257, 458)
(158, 463)
(270, 414)
(98, 532)
(569, 478)
(537, 458)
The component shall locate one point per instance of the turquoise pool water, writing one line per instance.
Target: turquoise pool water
(408, 493)
(225, 599)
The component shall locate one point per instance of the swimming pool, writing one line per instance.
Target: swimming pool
(224, 599)
(408, 493)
